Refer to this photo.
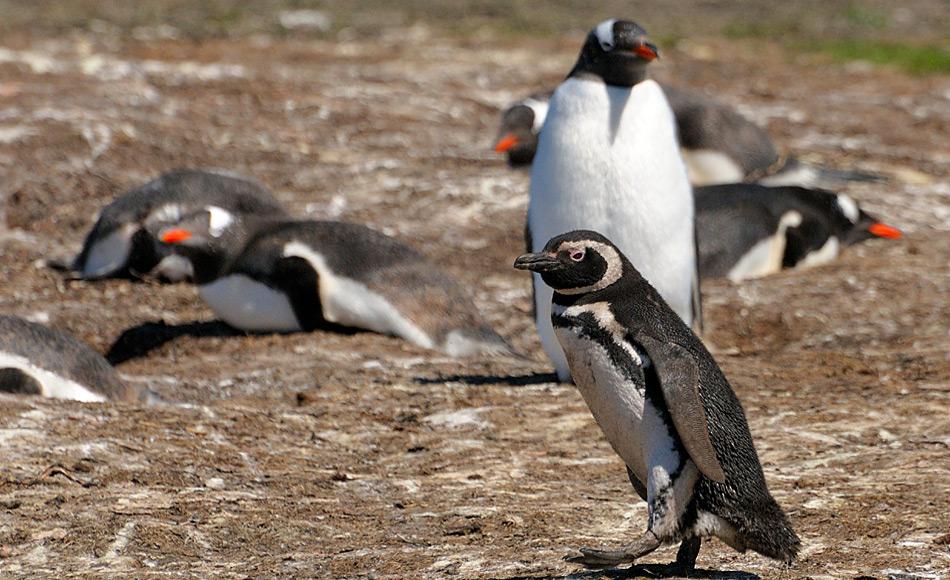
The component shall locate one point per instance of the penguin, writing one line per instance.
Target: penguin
(608, 160)
(36, 360)
(664, 405)
(718, 144)
(301, 275)
(520, 126)
(119, 245)
(747, 230)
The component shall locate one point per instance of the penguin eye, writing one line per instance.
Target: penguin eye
(577, 255)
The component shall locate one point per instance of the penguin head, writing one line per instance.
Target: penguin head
(520, 125)
(204, 237)
(578, 262)
(858, 225)
(616, 51)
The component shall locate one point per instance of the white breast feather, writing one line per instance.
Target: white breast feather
(827, 253)
(175, 268)
(351, 303)
(608, 161)
(709, 167)
(765, 257)
(249, 305)
(53, 385)
(109, 253)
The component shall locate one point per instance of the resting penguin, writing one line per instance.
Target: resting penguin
(664, 405)
(119, 244)
(747, 230)
(302, 275)
(608, 160)
(718, 144)
(37, 360)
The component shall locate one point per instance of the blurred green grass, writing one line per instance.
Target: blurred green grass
(911, 35)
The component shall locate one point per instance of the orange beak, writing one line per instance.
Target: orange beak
(885, 231)
(506, 143)
(175, 236)
(646, 51)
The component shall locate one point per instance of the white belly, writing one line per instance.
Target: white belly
(631, 424)
(766, 256)
(53, 385)
(249, 305)
(608, 161)
(351, 303)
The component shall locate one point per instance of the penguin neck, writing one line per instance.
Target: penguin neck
(207, 263)
(628, 78)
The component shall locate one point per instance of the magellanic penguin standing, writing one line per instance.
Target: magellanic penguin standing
(747, 230)
(719, 145)
(608, 160)
(119, 244)
(303, 275)
(36, 360)
(664, 405)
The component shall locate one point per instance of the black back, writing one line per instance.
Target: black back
(191, 189)
(64, 355)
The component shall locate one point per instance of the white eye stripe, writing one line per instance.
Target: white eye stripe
(605, 33)
(612, 274)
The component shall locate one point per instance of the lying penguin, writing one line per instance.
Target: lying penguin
(119, 244)
(303, 275)
(664, 405)
(746, 230)
(37, 360)
(718, 144)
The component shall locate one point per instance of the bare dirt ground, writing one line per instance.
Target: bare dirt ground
(358, 455)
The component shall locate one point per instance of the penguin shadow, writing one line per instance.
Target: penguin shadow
(139, 341)
(644, 571)
(512, 381)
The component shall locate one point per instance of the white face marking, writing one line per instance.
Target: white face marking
(350, 303)
(540, 109)
(53, 385)
(610, 255)
(848, 208)
(220, 220)
(247, 304)
(109, 253)
(605, 34)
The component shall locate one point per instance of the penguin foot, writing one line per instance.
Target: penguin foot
(593, 558)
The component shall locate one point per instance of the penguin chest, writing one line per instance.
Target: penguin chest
(250, 305)
(633, 426)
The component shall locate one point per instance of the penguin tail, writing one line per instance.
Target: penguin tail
(771, 534)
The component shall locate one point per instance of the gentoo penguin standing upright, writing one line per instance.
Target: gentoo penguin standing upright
(608, 160)
(746, 230)
(37, 360)
(664, 405)
(303, 275)
(119, 245)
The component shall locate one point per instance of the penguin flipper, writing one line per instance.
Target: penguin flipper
(679, 382)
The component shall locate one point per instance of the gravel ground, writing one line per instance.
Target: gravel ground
(358, 455)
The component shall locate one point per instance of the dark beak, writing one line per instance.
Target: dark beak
(646, 50)
(540, 262)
